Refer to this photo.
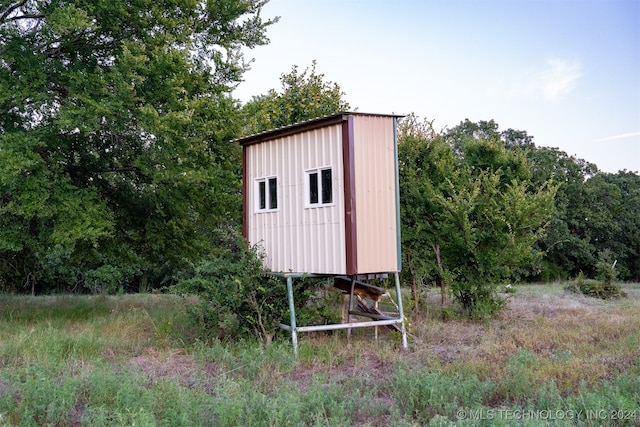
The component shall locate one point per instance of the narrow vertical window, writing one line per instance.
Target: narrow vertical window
(327, 191)
(273, 193)
(263, 195)
(313, 188)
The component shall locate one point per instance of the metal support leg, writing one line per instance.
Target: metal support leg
(405, 345)
(292, 315)
(375, 328)
(353, 286)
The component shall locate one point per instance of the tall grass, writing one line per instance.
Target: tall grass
(553, 358)
(53, 330)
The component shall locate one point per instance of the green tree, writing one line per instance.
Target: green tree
(614, 222)
(426, 162)
(567, 248)
(304, 96)
(470, 211)
(595, 213)
(116, 152)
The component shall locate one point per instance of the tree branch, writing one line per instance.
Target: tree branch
(9, 10)
(122, 169)
(34, 16)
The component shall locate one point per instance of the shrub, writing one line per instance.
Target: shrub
(606, 268)
(596, 289)
(236, 297)
(605, 288)
(479, 299)
(106, 279)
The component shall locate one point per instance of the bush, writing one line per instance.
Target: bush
(104, 280)
(603, 289)
(479, 299)
(236, 297)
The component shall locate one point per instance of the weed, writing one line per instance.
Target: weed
(422, 394)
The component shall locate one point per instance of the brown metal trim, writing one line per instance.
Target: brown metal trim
(351, 237)
(290, 130)
(245, 188)
(303, 127)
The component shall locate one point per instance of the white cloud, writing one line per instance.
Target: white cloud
(621, 136)
(558, 79)
(552, 83)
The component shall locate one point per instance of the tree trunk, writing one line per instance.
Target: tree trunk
(414, 287)
(416, 295)
(436, 249)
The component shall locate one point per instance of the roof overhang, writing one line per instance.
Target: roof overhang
(304, 127)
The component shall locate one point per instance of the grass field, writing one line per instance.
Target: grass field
(551, 358)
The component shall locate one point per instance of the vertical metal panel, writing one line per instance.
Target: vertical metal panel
(295, 237)
(375, 175)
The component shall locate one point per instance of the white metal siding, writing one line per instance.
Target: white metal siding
(296, 238)
(375, 175)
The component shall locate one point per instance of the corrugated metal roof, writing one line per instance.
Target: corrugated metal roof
(305, 126)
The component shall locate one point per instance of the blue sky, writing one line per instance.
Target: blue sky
(567, 72)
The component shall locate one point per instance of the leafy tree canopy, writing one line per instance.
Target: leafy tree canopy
(480, 205)
(115, 135)
(304, 96)
(470, 211)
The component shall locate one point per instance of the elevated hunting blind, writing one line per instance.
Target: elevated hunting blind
(321, 198)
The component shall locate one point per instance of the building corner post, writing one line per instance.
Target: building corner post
(397, 184)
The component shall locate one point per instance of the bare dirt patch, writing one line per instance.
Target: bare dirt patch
(172, 364)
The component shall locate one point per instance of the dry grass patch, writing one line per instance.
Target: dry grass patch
(173, 364)
(545, 335)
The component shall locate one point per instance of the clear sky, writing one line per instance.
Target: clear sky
(565, 71)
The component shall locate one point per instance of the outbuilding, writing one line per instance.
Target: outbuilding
(321, 197)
